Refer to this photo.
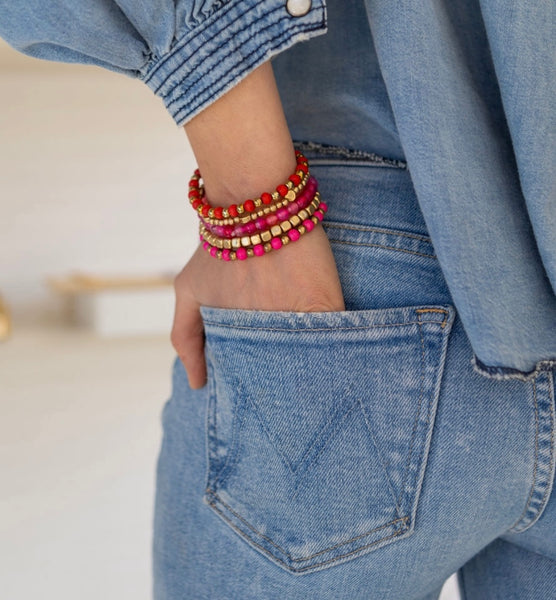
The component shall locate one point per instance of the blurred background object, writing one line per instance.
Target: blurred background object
(5, 321)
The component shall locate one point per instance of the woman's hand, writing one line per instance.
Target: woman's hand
(243, 147)
(300, 277)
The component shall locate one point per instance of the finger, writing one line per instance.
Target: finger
(188, 339)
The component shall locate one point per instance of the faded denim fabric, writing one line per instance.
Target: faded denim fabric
(356, 455)
(461, 90)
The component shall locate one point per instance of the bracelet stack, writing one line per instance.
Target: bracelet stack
(263, 224)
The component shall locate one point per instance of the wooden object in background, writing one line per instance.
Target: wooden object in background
(5, 321)
(119, 306)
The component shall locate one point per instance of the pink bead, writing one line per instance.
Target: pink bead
(260, 224)
(241, 253)
(238, 231)
(225, 255)
(276, 243)
(319, 215)
(323, 206)
(228, 231)
(309, 225)
(294, 235)
(219, 230)
(250, 228)
(293, 208)
(258, 250)
(201, 237)
(206, 246)
(283, 214)
(271, 220)
(213, 251)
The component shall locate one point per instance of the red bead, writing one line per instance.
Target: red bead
(302, 167)
(249, 205)
(217, 212)
(282, 189)
(295, 179)
(232, 210)
(196, 203)
(205, 210)
(266, 198)
(193, 193)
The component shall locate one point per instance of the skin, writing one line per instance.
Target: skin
(243, 147)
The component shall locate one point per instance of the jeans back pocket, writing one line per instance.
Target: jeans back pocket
(319, 426)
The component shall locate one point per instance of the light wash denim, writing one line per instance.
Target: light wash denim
(461, 90)
(356, 455)
(369, 453)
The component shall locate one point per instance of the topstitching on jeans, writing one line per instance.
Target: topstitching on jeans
(310, 329)
(286, 553)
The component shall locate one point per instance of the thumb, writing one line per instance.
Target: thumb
(188, 339)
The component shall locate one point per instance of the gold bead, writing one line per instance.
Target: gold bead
(301, 229)
(290, 195)
(256, 239)
(286, 226)
(227, 243)
(295, 221)
(240, 209)
(266, 236)
(233, 256)
(236, 243)
(276, 230)
(285, 240)
(302, 214)
(267, 247)
(257, 202)
(245, 241)
(250, 253)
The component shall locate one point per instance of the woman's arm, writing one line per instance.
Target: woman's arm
(243, 148)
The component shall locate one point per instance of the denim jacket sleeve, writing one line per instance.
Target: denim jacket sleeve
(188, 52)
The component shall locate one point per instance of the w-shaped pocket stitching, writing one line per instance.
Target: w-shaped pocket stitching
(319, 426)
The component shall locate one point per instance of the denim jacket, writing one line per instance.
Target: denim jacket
(462, 91)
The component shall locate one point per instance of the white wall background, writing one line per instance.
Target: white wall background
(93, 176)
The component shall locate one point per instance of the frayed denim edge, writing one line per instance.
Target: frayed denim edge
(505, 373)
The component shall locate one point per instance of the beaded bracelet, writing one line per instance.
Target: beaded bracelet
(275, 243)
(203, 208)
(307, 186)
(265, 222)
(263, 236)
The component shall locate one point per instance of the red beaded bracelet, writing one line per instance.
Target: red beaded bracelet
(200, 203)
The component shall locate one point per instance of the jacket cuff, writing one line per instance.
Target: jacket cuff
(505, 373)
(209, 60)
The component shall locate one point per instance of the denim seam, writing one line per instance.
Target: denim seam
(180, 44)
(246, 67)
(536, 465)
(370, 245)
(390, 485)
(335, 429)
(309, 329)
(418, 413)
(222, 45)
(539, 481)
(284, 552)
(508, 373)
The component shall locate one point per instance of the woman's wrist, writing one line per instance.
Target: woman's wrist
(242, 142)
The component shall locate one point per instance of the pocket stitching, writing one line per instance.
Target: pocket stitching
(403, 529)
(418, 413)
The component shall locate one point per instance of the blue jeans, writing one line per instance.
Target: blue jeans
(356, 454)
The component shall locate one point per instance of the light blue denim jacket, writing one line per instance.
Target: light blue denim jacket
(460, 90)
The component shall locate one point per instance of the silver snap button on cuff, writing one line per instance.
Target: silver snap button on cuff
(298, 8)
